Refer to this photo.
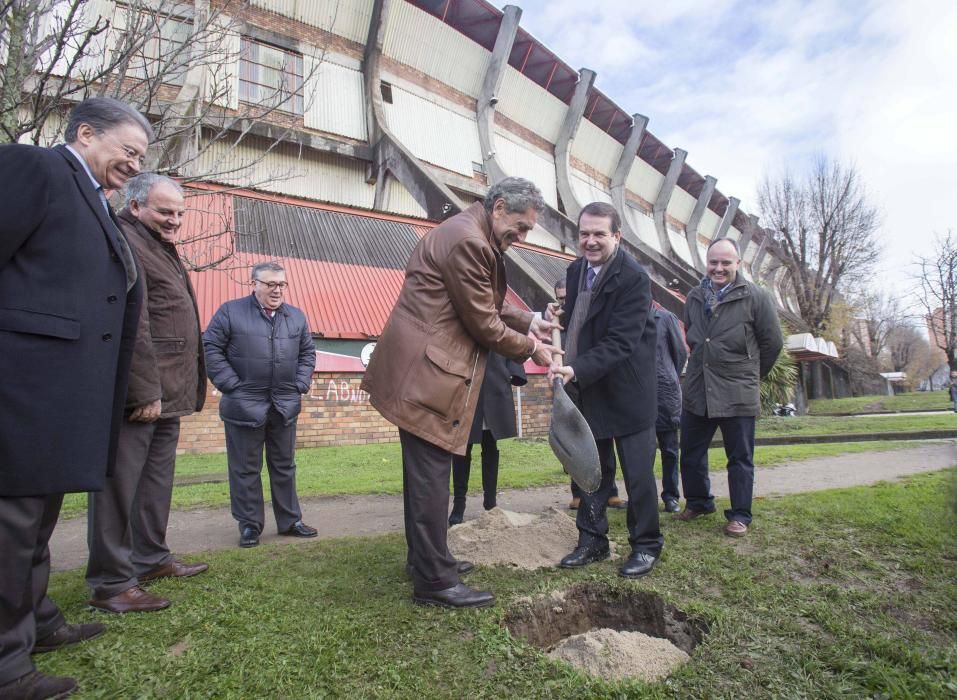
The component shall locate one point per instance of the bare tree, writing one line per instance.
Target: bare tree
(936, 278)
(876, 316)
(175, 63)
(826, 228)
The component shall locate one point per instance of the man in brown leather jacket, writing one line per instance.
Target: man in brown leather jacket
(128, 519)
(428, 366)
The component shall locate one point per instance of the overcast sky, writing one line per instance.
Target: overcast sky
(749, 87)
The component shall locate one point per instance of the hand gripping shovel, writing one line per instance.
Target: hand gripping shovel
(570, 437)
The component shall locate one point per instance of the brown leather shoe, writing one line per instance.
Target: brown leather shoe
(687, 515)
(735, 528)
(175, 569)
(67, 635)
(133, 599)
(576, 502)
(36, 685)
(617, 503)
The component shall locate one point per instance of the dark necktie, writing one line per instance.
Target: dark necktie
(590, 278)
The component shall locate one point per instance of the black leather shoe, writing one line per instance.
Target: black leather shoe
(67, 635)
(248, 537)
(671, 505)
(463, 566)
(36, 685)
(300, 529)
(458, 596)
(458, 513)
(639, 564)
(585, 554)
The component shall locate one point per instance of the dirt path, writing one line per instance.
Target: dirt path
(341, 516)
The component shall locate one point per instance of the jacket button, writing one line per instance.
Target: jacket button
(707, 340)
(111, 299)
(468, 382)
(455, 424)
(107, 336)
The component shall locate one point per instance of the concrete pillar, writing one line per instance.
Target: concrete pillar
(566, 137)
(660, 209)
(728, 217)
(490, 86)
(619, 180)
(691, 230)
(747, 234)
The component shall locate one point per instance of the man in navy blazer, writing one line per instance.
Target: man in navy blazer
(609, 372)
(69, 304)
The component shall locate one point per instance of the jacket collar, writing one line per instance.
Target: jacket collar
(256, 305)
(126, 216)
(484, 220)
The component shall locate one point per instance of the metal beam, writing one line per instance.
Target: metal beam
(566, 137)
(491, 84)
(747, 234)
(728, 217)
(619, 179)
(691, 229)
(659, 211)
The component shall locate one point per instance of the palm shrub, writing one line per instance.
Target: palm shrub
(778, 386)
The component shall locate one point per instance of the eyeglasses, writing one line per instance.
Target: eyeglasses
(273, 285)
(131, 153)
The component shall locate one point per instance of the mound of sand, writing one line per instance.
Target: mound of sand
(610, 654)
(522, 540)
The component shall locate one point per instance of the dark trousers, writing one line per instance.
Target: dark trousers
(127, 520)
(668, 445)
(462, 467)
(26, 613)
(244, 452)
(425, 497)
(577, 492)
(737, 432)
(636, 452)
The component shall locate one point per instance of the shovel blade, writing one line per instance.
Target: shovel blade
(572, 441)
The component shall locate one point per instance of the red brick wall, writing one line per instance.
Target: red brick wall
(337, 412)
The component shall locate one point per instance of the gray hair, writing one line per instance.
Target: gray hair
(559, 283)
(271, 266)
(734, 244)
(138, 188)
(103, 114)
(519, 196)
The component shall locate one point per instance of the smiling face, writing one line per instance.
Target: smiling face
(723, 263)
(509, 227)
(114, 155)
(269, 286)
(596, 241)
(163, 211)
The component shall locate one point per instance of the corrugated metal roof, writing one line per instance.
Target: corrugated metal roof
(288, 231)
(551, 266)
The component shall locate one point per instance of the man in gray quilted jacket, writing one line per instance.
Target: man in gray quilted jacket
(261, 356)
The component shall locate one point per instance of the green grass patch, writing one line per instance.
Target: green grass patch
(917, 400)
(377, 469)
(837, 594)
(837, 425)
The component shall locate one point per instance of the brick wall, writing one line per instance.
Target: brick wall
(337, 412)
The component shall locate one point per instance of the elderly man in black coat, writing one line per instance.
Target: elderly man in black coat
(610, 373)
(494, 420)
(69, 303)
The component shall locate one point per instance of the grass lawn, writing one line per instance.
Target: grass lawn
(928, 400)
(374, 469)
(835, 425)
(840, 594)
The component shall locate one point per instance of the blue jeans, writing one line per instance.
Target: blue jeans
(737, 432)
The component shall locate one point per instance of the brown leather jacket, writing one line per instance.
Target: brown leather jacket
(427, 369)
(168, 360)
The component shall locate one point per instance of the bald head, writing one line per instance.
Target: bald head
(723, 261)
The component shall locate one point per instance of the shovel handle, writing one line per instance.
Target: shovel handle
(556, 332)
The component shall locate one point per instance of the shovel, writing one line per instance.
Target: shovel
(570, 437)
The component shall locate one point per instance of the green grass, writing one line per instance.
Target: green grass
(377, 469)
(836, 425)
(926, 400)
(843, 594)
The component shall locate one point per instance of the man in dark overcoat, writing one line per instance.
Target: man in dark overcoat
(671, 355)
(610, 374)
(69, 303)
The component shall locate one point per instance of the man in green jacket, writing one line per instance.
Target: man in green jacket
(734, 335)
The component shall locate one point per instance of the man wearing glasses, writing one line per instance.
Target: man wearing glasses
(261, 356)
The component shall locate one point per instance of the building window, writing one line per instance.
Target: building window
(386, 90)
(164, 53)
(270, 77)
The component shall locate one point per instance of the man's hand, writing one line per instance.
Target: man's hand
(566, 372)
(542, 329)
(148, 413)
(553, 311)
(544, 354)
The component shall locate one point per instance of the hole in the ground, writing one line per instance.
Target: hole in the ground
(609, 632)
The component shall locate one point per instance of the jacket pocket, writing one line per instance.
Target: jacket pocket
(437, 381)
(169, 346)
(36, 323)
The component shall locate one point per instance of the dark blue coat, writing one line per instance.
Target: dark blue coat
(496, 407)
(257, 362)
(67, 325)
(670, 358)
(615, 385)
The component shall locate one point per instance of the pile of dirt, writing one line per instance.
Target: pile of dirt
(609, 654)
(522, 540)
